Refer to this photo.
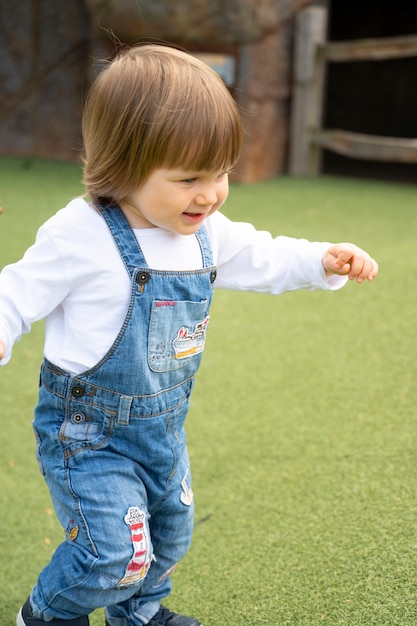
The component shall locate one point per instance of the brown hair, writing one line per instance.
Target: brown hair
(156, 106)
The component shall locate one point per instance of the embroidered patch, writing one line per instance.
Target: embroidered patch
(138, 565)
(187, 495)
(166, 575)
(72, 530)
(188, 343)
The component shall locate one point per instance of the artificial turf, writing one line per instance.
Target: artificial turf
(301, 429)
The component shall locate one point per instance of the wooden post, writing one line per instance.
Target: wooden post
(308, 88)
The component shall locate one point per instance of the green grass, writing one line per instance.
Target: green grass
(301, 429)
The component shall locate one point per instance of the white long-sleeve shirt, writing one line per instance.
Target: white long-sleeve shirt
(74, 277)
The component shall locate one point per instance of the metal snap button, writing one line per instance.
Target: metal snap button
(78, 391)
(142, 278)
(213, 276)
(78, 418)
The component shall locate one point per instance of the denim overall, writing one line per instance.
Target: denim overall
(111, 445)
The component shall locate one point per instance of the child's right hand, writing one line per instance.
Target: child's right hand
(2, 349)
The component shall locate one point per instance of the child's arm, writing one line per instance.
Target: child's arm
(2, 349)
(346, 259)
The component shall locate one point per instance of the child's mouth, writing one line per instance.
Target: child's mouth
(193, 217)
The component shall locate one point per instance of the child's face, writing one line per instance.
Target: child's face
(176, 200)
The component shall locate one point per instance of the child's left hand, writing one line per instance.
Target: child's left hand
(346, 259)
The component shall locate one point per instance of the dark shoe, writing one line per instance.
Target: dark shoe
(165, 617)
(25, 618)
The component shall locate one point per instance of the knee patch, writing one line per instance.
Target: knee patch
(142, 556)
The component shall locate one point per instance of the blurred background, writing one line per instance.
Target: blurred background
(51, 50)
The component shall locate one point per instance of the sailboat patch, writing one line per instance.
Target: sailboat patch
(188, 343)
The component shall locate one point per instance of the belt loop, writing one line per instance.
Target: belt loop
(123, 416)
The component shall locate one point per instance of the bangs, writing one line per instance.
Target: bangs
(207, 140)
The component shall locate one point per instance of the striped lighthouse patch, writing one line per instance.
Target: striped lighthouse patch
(138, 566)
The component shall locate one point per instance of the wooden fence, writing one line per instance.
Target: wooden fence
(312, 53)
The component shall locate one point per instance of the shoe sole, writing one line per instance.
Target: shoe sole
(19, 619)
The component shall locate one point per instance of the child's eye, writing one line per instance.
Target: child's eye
(188, 181)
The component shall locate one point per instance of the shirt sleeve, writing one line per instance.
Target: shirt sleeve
(251, 260)
(29, 290)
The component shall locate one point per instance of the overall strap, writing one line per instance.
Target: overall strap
(124, 237)
(205, 246)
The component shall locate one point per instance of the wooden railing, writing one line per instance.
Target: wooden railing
(307, 137)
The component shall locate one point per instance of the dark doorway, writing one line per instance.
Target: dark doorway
(373, 97)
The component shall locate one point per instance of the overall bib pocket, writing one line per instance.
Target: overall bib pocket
(177, 333)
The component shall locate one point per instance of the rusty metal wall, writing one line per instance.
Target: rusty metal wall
(43, 71)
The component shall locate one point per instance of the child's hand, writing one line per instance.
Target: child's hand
(2, 349)
(346, 259)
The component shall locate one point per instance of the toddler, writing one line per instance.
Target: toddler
(124, 280)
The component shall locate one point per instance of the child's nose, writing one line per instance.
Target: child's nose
(206, 196)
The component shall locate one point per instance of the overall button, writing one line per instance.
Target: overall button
(213, 276)
(142, 278)
(78, 418)
(78, 391)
